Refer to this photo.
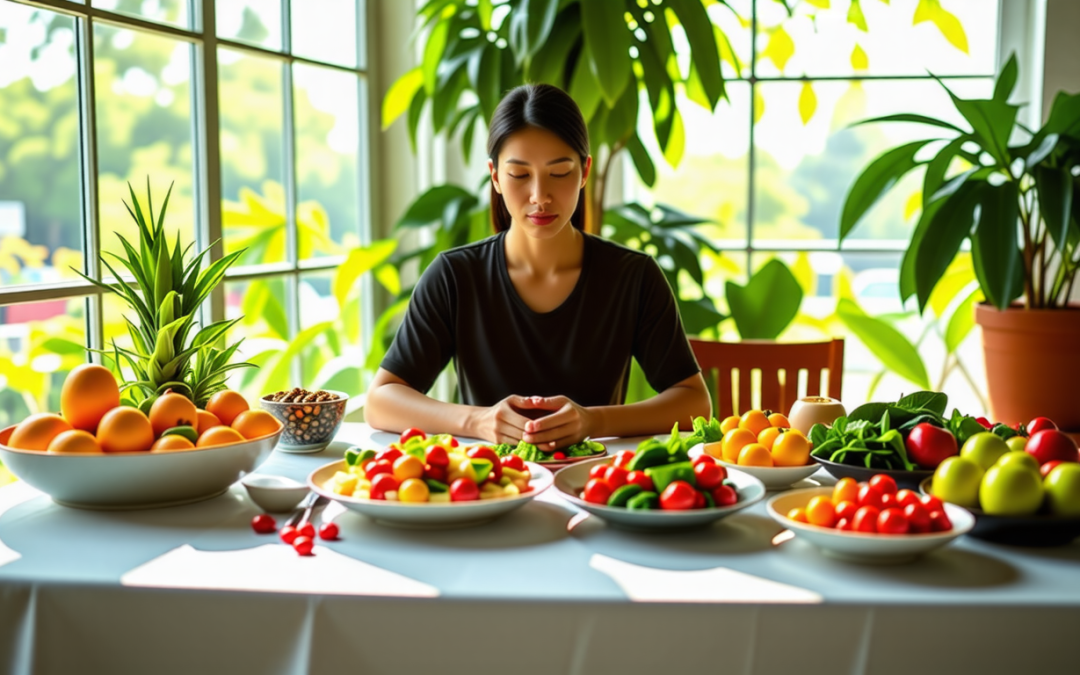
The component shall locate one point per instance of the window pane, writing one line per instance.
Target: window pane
(39, 343)
(252, 173)
(332, 355)
(40, 211)
(803, 172)
(264, 330)
(163, 11)
(143, 86)
(325, 30)
(733, 20)
(328, 133)
(953, 38)
(257, 22)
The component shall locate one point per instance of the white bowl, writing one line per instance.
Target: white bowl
(571, 481)
(136, 480)
(276, 494)
(427, 515)
(772, 477)
(863, 546)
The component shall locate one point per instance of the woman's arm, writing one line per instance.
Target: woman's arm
(392, 405)
(571, 423)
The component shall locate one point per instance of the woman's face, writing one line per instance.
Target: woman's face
(539, 177)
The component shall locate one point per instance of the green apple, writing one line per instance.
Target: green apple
(1011, 490)
(1018, 457)
(1017, 443)
(984, 449)
(957, 480)
(1062, 487)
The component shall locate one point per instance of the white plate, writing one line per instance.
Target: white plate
(136, 480)
(426, 515)
(862, 546)
(571, 481)
(772, 477)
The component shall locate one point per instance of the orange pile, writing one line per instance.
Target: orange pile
(760, 439)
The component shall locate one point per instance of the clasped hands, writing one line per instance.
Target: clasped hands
(558, 423)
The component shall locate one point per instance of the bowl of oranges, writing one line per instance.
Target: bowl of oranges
(763, 444)
(99, 454)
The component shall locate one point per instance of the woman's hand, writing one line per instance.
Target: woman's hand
(502, 423)
(567, 424)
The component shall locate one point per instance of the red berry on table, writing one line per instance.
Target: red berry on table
(288, 534)
(725, 495)
(597, 491)
(263, 524)
(303, 545)
(306, 530)
(328, 531)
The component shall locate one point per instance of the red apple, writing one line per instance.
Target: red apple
(928, 445)
(1045, 469)
(1050, 444)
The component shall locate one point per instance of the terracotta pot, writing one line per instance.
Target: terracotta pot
(1032, 363)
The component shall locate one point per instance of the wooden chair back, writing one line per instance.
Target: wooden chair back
(779, 365)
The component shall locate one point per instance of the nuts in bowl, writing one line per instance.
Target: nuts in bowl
(310, 418)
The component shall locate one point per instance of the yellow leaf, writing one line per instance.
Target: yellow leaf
(804, 273)
(726, 52)
(959, 275)
(823, 4)
(695, 91)
(673, 153)
(807, 102)
(759, 105)
(859, 60)
(947, 23)
(855, 16)
(401, 95)
(914, 203)
(842, 284)
(780, 48)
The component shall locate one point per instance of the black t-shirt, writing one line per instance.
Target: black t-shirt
(465, 307)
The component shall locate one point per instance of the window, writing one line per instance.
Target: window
(254, 111)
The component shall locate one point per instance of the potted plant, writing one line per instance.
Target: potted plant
(1009, 191)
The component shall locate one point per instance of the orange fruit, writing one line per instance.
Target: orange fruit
(798, 515)
(172, 410)
(754, 421)
(221, 435)
(407, 466)
(820, 511)
(413, 490)
(779, 420)
(255, 424)
(755, 454)
(729, 423)
(205, 420)
(226, 405)
(75, 441)
(171, 443)
(845, 490)
(125, 429)
(37, 431)
(734, 441)
(791, 449)
(88, 393)
(768, 437)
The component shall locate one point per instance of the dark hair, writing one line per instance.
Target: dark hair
(547, 107)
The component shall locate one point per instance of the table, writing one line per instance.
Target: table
(544, 590)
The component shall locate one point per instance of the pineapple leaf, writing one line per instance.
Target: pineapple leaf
(164, 205)
(211, 333)
(133, 264)
(177, 265)
(213, 275)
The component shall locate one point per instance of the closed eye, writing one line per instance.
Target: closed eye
(560, 175)
(524, 175)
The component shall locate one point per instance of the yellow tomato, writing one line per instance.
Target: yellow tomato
(768, 437)
(820, 511)
(846, 490)
(791, 449)
(733, 442)
(406, 467)
(779, 420)
(413, 490)
(754, 421)
(798, 515)
(755, 454)
(729, 423)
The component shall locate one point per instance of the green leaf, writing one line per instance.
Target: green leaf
(938, 166)
(430, 206)
(995, 251)
(908, 117)
(1006, 80)
(855, 16)
(584, 89)
(933, 401)
(360, 261)
(433, 51)
(489, 80)
(885, 342)
(1055, 190)
(622, 119)
(875, 180)
(540, 18)
(767, 304)
(703, 48)
(400, 95)
(551, 68)
(642, 162)
(961, 322)
(1064, 117)
(950, 225)
(992, 122)
(607, 41)
(673, 153)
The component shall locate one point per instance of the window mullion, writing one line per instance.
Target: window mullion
(206, 132)
(84, 54)
(292, 254)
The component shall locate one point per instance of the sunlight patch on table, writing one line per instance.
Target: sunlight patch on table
(719, 584)
(11, 496)
(274, 568)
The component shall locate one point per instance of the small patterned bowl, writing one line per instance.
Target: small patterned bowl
(307, 427)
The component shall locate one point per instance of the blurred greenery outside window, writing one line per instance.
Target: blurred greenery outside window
(290, 127)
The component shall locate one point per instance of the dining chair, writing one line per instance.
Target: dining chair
(777, 367)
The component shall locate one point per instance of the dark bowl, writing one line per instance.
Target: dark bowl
(904, 479)
(1039, 529)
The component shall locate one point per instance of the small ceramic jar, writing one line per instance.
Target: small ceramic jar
(810, 410)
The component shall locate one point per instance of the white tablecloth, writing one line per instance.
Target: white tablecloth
(544, 590)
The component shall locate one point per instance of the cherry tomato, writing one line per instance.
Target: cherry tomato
(699, 500)
(464, 490)
(435, 473)
(918, 518)
(928, 445)
(303, 545)
(845, 524)
(616, 476)
(845, 490)
(378, 467)
(707, 475)
(599, 471)
(513, 462)
(484, 452)
(263, 524)
(436, 456)
(820, 511)
(639, 478)
(869, 496)
(597, 491)
(866, 519)
(905, 497)
(306, 530)
(846, 509)
(390, 454)
(383, 483)
(678, 496)
(703, 459)
(558, 454)
(885, 484)
(328, 531)
(725, 495)
(454, 442)
(939, 521)
(1040, 423)
(798, 515)
(411, 433)
(1050, 444)
(288, 534)
(931, 503)
(892, 521)
(888, 500)
(623, 458)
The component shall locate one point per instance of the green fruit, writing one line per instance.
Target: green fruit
(1062, 487)
(1019, 457)
(1011, 490)
(185, 431)
(984, 449)
(957, 480)
(1016, 443)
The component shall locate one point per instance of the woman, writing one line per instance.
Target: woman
(541, 319)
